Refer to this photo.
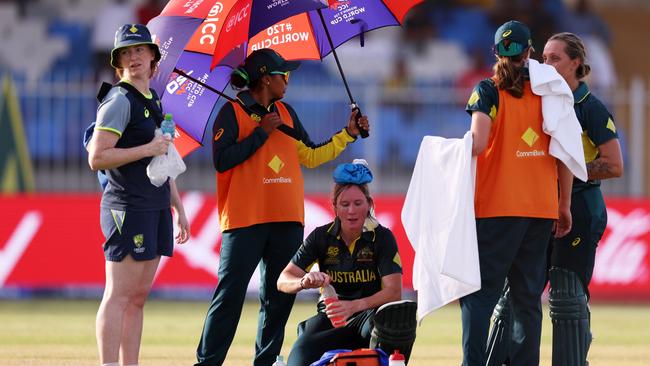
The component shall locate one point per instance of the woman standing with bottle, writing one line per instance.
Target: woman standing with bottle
(135, 215)
(357, 257)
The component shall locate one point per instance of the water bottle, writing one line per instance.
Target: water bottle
(279, 361)
(168, 126)
(396, 359)
(328, 296)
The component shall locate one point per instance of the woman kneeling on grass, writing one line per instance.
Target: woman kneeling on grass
(358, 257)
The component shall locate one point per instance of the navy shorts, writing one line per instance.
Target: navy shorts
(142, 234)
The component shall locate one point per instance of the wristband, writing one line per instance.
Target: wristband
(301, 281)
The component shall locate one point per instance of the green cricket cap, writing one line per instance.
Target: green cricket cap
(512, 38)
(265, 61)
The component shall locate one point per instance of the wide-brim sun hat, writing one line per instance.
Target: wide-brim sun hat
(131, 35)
(512, 38)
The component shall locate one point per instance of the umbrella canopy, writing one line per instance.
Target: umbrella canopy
(247, 18)
(304, 36)
(315, 34)
(201, 41)
(187, 32)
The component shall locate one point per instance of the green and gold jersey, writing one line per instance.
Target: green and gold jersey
(597, 126)
(484, 98)
(356, 271)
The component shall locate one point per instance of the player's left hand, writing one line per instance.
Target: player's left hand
(183, 229)
(564, 223)
(352, 128)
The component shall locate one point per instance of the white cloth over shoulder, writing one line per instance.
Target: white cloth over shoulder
(560, 121)
(438, 217)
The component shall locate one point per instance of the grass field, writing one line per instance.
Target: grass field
(57, 333)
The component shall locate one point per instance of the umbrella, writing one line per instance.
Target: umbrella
(315, 34)
(186, 32)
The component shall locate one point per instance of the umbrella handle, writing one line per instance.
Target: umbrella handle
(362, 132)
(353, 105)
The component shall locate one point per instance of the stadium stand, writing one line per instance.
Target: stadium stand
(412, 81)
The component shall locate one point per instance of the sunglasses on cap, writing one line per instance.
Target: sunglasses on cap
(285, 75)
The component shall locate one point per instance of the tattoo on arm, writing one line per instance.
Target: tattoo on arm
(598, 169)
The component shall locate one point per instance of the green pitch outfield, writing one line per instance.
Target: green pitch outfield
(62, 332)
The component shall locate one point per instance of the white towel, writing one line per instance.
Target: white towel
(560, 121)
(438, 217)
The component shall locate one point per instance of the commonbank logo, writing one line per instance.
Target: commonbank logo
(276, 164)
(530, 137)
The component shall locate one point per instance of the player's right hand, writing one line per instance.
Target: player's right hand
(270, 122)
(315, 279)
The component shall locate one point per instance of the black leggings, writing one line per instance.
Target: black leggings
(318, 336)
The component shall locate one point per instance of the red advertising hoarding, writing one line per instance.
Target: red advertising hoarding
(54, 241)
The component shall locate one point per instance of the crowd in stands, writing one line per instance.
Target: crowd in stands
(442, 45)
